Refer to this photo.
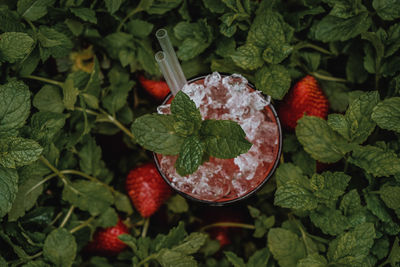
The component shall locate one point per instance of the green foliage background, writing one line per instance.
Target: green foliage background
(66, 147)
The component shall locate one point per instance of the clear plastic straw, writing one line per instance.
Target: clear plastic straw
(169, 75)
(169, 63)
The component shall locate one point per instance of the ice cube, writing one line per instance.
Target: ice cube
(248, 163)
(212, 79)
(164, 109)
(258, 101)
(235, 82)
(196, 92)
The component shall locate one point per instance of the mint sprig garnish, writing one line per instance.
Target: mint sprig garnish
(185, 134)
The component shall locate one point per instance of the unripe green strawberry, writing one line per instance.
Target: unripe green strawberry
(105, 241)
(147, 189)
(157, 89)
(306, 97)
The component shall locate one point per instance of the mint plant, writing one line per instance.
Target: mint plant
(185, 134)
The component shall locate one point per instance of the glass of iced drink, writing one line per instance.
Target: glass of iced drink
(222, 181)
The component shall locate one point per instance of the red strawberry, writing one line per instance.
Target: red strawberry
(105, 241)
(221, 234)
(158, 89)
(222, 215)
(147, 189)
(305, 97)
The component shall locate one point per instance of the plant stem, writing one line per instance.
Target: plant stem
(110, 119)
(118, 124)
(328, 78)
(91, 178)
(88, 111)
(69, 213)
(48, 177)
(152, 256)
(42, 79)
(145, 227)
(346, 164)
(54, 169)
(130, 14)
(82, 225)
(228, 224)
(313, 46)
(58, 216)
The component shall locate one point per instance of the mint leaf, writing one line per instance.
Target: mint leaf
(18, 151)
(391, 196)
(215, 6)
(170, 258)
(259, 258)
(276, 53)
(190, 156)
(156, 133)
(375, 160)
(9, 20)
(351, 203)
(8, 189)
(248, 57)
(387, 114)
(177, 204)
(328, 186)
(139, 28)
(89, 196)
(376, 206)
(191, 244)
(145, 55)
(185, 111)
(174, 237)
(356, 125)
(290, 173)
(53, 43)
(60, 247)
(108, 218)
(234, 259)
(337, 94)
(194, 37)
(45, 126)
(293, 196)
(33, 9)
(262, 222)
(387, 9)
(353, 246)
(332, 28)
(14, 106)
(394, 256)
(320, 141)
(269, 30)
(86, 14)
(48, 99)
(224, 139)
(286, 247)
(14, 46)
(90, 158)
(29, 176)
(113, 5)
(273, 80)
(123, 203)
(160, 6)
(313, 260)
(330, 221)
(118, 92)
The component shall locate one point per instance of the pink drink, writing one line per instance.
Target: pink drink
(221, 181)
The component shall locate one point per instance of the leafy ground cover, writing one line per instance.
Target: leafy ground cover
(69, 93)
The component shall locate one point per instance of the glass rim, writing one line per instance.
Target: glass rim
(248, 194)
